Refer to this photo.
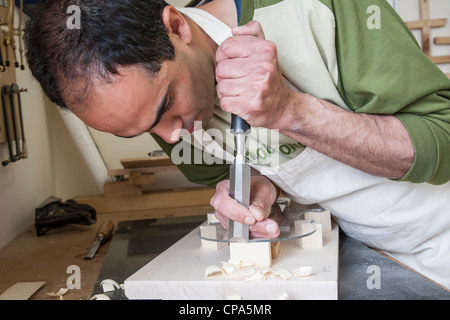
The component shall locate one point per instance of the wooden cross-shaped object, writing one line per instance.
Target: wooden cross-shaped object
(425, 24)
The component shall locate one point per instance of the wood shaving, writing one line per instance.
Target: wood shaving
(58, 294)
(245, 273)
(213, 270)
(255, 277)
(302, 272)
(282, 273)
(109, 285)
(100, 297)
(249, 272)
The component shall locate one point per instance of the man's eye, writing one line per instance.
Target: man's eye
(168, 105)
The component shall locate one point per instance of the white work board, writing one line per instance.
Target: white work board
(179, 273)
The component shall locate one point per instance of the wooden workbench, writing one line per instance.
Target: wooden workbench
(30, 258)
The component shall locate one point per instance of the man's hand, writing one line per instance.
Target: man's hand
(249, 80)
(250, 85)
(262, 195)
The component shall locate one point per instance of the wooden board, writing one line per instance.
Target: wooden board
(192, 197)
(146, 162)
(178, 273)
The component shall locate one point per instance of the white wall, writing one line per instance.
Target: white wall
(54, 165)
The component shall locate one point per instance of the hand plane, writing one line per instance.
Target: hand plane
(53, 213)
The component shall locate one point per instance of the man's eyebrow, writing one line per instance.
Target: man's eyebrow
(160, 109)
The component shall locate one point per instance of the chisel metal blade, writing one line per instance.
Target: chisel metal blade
(94, 248)
(240, 173)
(103, 234)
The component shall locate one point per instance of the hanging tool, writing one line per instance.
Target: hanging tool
(5, 92)
(14, 121)
(240, 173)
(7, 40)
(19, 35)
(24, 150)
(2, 64)
(104, 233)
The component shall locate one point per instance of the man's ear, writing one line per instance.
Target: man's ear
(176, 24)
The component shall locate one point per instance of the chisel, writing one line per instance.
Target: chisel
(103, 234)
(240, 173)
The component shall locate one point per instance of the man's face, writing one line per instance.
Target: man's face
(136, 102)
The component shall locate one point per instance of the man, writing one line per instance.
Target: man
(363, 116)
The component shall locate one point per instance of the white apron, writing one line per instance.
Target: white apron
(411, 222)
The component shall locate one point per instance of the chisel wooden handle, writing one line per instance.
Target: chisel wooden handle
(105, 231)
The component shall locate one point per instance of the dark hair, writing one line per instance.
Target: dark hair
(111, 33)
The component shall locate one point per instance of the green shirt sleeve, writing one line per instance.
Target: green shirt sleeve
(384, 71)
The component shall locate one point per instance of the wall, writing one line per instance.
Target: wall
(54, 165)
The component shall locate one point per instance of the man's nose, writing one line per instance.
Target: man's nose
(170, 133)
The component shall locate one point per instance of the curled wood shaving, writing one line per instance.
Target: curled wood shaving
(100, 296)
(249, 272)
(58, 294)
(213, 270)
(302, 272)
(109, 285)
(255, 276)
(282, 273)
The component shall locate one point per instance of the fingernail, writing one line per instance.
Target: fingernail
(249, 220)
(271, 228)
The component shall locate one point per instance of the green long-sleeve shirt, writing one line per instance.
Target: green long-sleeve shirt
(377, 71)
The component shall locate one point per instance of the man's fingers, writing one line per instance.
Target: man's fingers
(222, 202)
(265, 229)
(252, 28)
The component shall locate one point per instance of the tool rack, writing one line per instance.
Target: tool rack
(11, 59)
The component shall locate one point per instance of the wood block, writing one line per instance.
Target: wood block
(138, 178)
(124, 172)
(146, 162)
(430, 23)
(193, 197)
(121, 189)
(442, 40)
(440, 59)
(311, 241)
(210, 231)
(322, 217)
(21, 290)
(212, 218)
(259, 253)
(275, 248)
(179, 273)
